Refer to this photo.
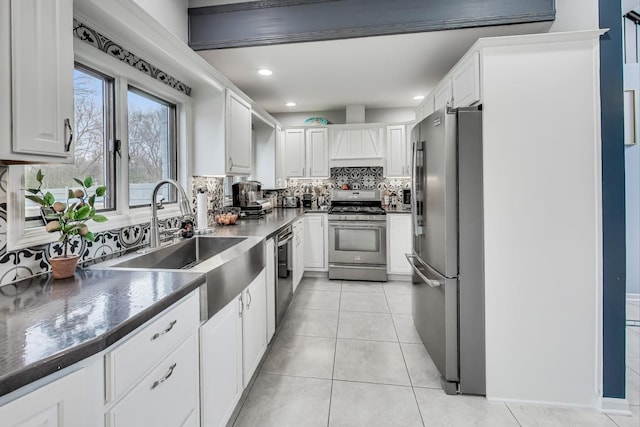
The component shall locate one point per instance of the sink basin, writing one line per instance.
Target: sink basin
(230, 264)
(183, 255)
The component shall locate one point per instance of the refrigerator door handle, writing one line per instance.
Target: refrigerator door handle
(430, 282)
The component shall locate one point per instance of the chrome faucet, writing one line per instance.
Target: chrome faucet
(183, 202)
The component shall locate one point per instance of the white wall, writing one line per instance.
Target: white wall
(542, 222)
(172, 14)
(632, 169)
(573, 15)
(337, 117)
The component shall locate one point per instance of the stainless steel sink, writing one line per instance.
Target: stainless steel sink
(183, 255)
(230, 264)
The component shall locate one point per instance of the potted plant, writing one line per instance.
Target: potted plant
(68, 219)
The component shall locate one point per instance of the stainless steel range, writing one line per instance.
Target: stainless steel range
(357, 236)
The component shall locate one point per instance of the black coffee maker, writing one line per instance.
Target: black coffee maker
(246, 193)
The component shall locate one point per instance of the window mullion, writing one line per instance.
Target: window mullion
(122, 161)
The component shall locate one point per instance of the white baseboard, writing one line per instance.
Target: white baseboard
(399, 277)
(308, 273)
(613, 406)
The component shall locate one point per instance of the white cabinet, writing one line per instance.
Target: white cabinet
(167, 396)
(221, 133)
(306, 153)
(315, 242)
(317, 152)
(294, 152)
(233, 342)
(298, 252)
(152, 378)
(267, 164)
(254, 325)
(270, 270)
(398, 156)
(238, 135)
(442, 94)
(221, 364)
(356, 145)
(36, 52)
(399, 243)
(465, 80)
(74, 400)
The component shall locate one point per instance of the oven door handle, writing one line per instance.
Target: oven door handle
(355, 224)
(430, 282)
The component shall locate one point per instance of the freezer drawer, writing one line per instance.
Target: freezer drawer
(435, 315)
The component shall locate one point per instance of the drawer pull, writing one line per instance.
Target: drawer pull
(166, 376)
(169, 328)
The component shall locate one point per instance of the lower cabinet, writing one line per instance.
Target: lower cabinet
(254, 325)
(221, 364)
(167, 396)
(232, 344)
(315, 242)
(74, 400)
(152, 378)
(298, 252)
(399, 243)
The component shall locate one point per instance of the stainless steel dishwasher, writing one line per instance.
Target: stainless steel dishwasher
(284, 273)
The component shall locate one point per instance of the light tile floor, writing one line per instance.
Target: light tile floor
(348, 355)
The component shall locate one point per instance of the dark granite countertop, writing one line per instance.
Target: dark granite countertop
(47, 325)
(264, 227)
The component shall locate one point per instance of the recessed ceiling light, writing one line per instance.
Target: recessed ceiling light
(265, 72)
(290, 104)
(418, 97)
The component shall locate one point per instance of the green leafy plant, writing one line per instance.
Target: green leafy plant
(70, 218)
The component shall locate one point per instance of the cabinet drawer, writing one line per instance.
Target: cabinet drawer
(168, 396)
(128, 363)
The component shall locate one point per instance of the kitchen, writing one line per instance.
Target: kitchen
(136, 20)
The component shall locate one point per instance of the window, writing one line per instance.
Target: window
(150, 125)
(94, 130)
(152, 146)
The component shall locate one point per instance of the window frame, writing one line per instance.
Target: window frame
(20, 237)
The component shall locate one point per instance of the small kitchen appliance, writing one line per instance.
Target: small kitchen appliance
(247, 195)
(307, 200)
(406, 197)
(290, 202)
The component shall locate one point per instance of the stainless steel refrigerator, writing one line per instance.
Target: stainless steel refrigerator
(447, 258)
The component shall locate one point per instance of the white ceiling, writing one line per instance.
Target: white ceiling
(378, 72)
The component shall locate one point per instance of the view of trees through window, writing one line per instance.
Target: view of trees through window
(151, 127)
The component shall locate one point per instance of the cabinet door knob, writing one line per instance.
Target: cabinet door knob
(68, 130)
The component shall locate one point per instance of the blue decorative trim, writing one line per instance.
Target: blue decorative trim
(99, 41)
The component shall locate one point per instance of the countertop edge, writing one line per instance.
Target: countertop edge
(59, 361)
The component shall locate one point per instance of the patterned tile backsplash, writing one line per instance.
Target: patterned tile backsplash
(22, 263)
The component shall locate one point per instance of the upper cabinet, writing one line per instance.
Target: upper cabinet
(356, 145)
(442, 94)
(465, 80)
(398, 158)
(238, 135)
(267, 164)
(306, 152)
(36, 68)
(222, 133)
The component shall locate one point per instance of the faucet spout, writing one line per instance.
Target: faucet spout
(183, 202)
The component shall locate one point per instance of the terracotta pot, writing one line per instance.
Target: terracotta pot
(63, 267)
